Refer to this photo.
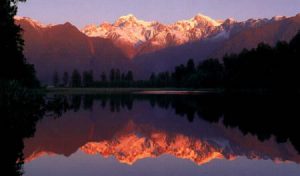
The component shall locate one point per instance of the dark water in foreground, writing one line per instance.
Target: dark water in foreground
(149, 134)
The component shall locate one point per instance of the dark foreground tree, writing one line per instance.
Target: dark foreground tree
(13, 63)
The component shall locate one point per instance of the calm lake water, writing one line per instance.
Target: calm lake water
(155, 134)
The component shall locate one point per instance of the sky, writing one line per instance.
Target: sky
(83, 12)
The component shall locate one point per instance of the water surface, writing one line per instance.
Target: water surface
(157, 135)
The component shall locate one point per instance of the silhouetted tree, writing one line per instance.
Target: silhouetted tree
(88, 78)
(129, 76)
(66, 79)
(123, 77)
(118, 75)
(55, 79)
(210, 73)
(179, 74)
(19, 109)
(112, 75)
(152, 79)
(103, 77)
(91, 73)
(190, 66)
(76, 79)
(13, 63)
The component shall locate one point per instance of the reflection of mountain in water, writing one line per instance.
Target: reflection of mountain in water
(133, 127)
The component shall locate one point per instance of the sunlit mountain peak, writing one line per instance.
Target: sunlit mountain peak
(32, 22)
(128, 17)
(200, 18)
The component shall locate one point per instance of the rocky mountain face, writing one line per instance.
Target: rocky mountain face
(145, 47)
(138, 37)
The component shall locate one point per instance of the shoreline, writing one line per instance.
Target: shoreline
(130, 91)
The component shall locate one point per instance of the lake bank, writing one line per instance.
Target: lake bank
(130, 91)
(169, 90)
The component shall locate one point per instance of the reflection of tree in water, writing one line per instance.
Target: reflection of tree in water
(20, 110)
(264, 116)
(76, 102)
(88, 102)
(255, 114)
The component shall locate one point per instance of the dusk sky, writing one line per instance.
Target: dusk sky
(82, 12)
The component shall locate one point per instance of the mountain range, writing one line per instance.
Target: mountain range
(145, 47)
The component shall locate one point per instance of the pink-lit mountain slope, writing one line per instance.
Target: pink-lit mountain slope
(64, 48)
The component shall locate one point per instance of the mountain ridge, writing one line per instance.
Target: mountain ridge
(145, 47)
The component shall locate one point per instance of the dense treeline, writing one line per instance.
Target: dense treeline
(207, 74)
(263, 68)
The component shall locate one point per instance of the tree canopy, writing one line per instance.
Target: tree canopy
(13, 63)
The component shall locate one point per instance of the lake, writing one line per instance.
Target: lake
(154, 133)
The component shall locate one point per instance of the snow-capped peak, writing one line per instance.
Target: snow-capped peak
(278, 18)
(128, 17)
(33, 22)
(203, 18)
(136, 32)
(229, 21)
(139, 34)
(130, 20)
